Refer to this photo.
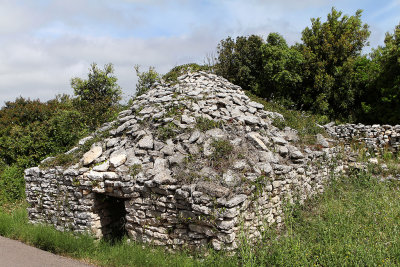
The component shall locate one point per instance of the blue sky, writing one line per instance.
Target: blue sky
(44, 43)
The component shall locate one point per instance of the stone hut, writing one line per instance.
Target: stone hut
(191, 163)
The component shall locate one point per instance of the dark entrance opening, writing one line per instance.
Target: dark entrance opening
(111, 211)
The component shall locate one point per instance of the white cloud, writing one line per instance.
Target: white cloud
(38, 68)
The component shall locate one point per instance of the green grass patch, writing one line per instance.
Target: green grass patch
(204, 124)
(169, 130)
(222, 149)
(174, 73)
(64, 160)
(303, 122)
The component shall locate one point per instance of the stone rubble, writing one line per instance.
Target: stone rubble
(193, 163)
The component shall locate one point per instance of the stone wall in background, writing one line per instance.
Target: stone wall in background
(376, 137)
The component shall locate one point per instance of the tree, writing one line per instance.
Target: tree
(145, 79)
(240, 61)
(382, 104)
(330, 50)
(98, 96)
(280, 77)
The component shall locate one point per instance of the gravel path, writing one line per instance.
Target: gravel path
(16, 254)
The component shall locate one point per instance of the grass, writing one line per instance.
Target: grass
(222, 149)
(174, 73)
(354, 223)
(204, 124)
(169, 130)
(304, 123)
(64, 160)
(14, 224)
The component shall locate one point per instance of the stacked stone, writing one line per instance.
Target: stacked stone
(176, 192)
(376, 137)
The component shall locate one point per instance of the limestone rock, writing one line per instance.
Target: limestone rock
(92, 154)
(187, 181)
(146, 142)
(102, 167)
(118, 158)
(256, 139)
(212, 189)
(163, 177)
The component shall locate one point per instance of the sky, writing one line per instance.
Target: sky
(45, 43)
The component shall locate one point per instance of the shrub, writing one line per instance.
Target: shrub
(98, 96)
(12, 184)
(205, 124)
(174, 73)
(221, 149)
(145, 80)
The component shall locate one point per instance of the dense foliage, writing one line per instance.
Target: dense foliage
(31, 130)
(382, 102)
(98, 96)
(146, 79)
(330, 50)
(326, 73)
(240, 61)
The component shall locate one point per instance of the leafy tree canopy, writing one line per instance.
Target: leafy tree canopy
(98, 96)
(330, 49)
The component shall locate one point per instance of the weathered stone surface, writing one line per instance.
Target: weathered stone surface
(102, 167)
(230, 178)
(187, 119)
(255, 138)
(212, 189)
(236, 200)
(194, 137)
(146, 142)
(163, 177)
(322, 141)
(92, 154)
(279, 140)
(118, 158)
(208, 231)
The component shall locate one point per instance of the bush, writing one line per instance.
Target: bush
(240, 61)
(97, 96)
(145, 80)
(174, 73)
(12, 184)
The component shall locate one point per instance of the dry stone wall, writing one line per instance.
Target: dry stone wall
(376, 137)
(189, 164)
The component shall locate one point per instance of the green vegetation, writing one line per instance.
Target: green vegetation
(145, 79)
(221, 149)
(15, 225)
(31, 130)
(325, 73)
(330, 50)
(135, 169)
(98, 96)
(170, 130)
(61, 159)
(303, 122)
(12, 184)
(325, 77)
(204, 124)
(174, 73)
(381, 100)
